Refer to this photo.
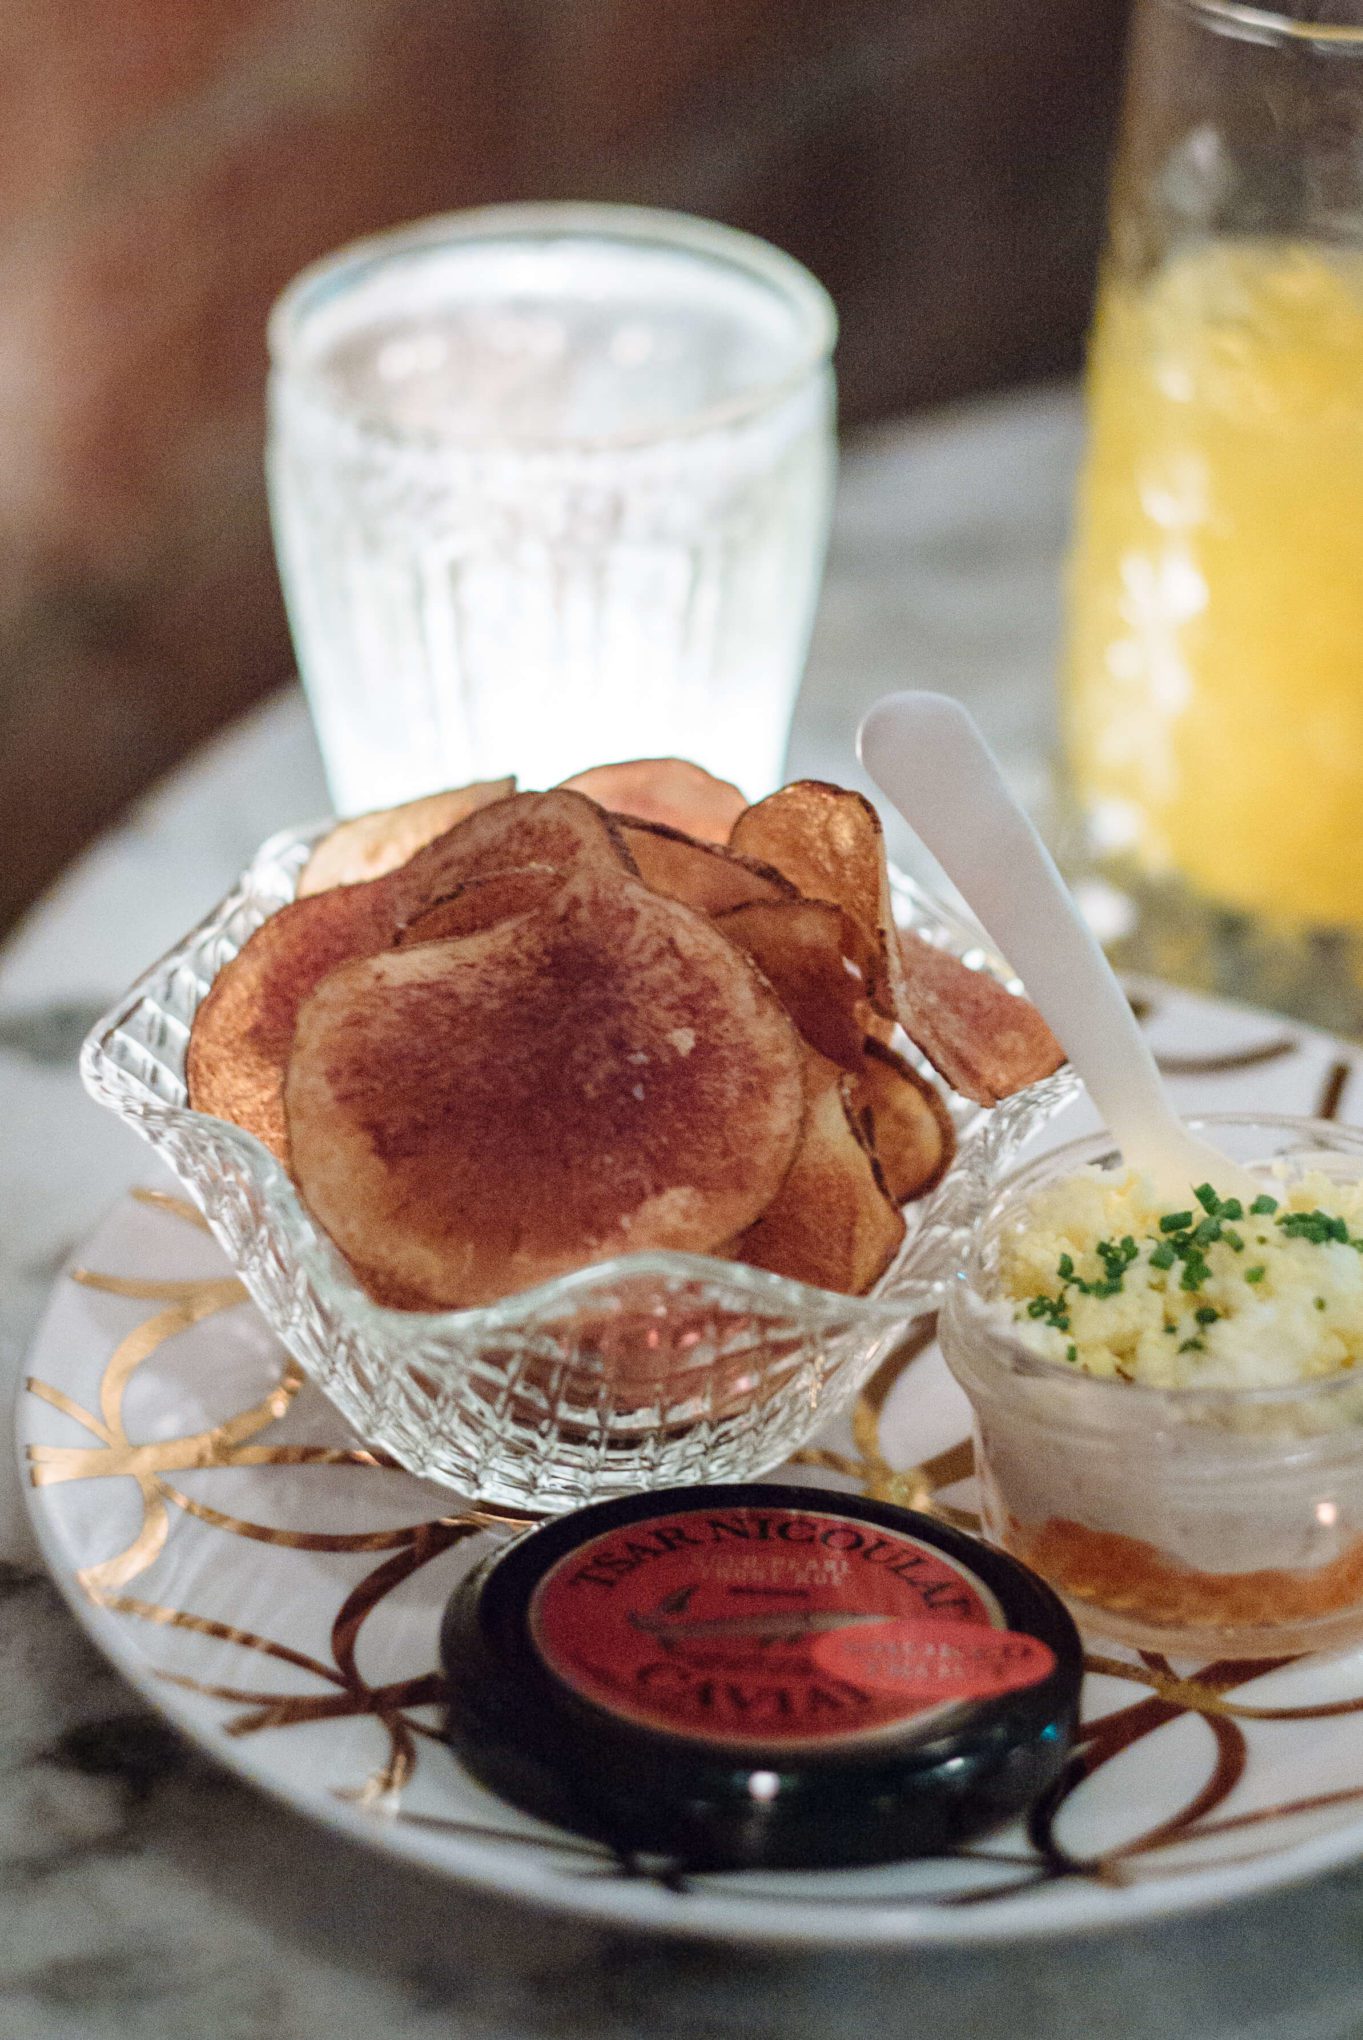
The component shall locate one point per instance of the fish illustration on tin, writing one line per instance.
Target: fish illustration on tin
(669, 1624)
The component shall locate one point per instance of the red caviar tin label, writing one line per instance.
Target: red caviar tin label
(740, 1625)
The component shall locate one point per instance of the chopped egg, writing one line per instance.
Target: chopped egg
(1101, 1275)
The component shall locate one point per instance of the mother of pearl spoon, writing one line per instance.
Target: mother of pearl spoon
(925, 753)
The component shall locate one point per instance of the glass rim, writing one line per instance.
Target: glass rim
(1025, 1363)
(1269, 25)
(547, 220)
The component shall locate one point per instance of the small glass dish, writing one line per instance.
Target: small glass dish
(1191, 1520)
(641, 1372)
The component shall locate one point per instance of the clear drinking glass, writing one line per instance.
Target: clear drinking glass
(550, 486)
(1214, 685)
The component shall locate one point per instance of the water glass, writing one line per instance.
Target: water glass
(550, 486)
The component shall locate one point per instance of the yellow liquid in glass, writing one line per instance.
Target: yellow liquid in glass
(1214, 700)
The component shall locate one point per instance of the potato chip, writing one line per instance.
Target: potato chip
(564, 830)
(668, 790)
(829, 843)
(604, 1075)
(700, 875)
(368, 845)
(240, 1039)
(480, 903)
(832, 1222)
(985, 1040)
(817, 961)
(242, 1033)
(905, 1122)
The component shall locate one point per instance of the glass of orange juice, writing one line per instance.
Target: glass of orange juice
(1213, 698)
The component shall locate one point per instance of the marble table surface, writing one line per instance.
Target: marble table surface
(146, 1896)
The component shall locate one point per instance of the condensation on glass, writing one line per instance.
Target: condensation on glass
(550, 486)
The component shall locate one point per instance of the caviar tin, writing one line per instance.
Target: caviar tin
(760, 1675)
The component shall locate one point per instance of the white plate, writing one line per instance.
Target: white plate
(276, 1592)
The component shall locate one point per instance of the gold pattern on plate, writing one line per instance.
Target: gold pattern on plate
(402, 1708)
(190, 1302)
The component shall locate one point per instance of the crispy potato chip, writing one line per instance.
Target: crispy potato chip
(700, 875)
(240, 1039)
(817, 961)
(368, 845)
(480, 903)
(904, 1121)
(831, 1223)
(669, 790)
(829, 843)
(564, 830)
(602, 1076)
(985, 1040)
(239, 1044)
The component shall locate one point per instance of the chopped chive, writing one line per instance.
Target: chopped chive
(1066, 1268)
(1175, 1221)
(1320, 1303)
(1315, 1226)
(1193, 1346)
(1162, 1256)
(1206, 1315)
(1232, 1208)
(1264, 1206)
(1232, 1238)
(1255, 1274)
(1208, 1231)
(1208, 1199)
(1051, 1309)
(1071, 1352)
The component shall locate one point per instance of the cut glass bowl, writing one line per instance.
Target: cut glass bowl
(645, 1371)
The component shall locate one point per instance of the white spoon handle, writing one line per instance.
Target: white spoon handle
(925, 753)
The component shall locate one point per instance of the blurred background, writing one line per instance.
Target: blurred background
(166, 166)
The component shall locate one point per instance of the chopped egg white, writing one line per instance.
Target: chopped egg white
(1247, 1299)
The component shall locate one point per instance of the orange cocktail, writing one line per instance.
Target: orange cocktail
(1214, 701)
